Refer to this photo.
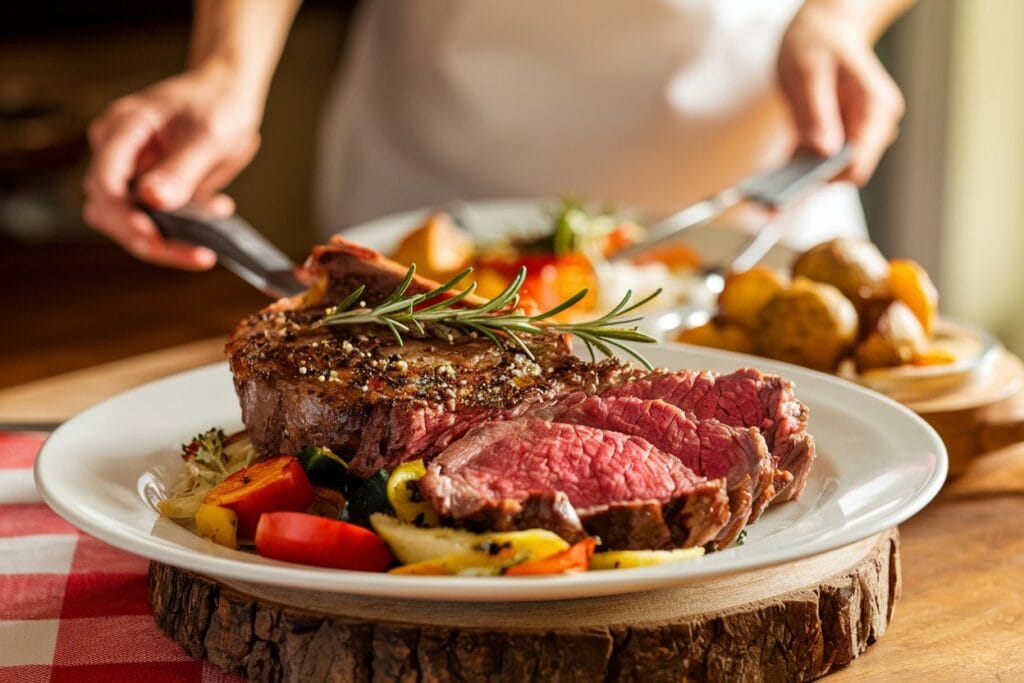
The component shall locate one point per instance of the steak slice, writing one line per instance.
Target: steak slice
(745, 398)
(710, 448)
(356, 390)
(622, 488)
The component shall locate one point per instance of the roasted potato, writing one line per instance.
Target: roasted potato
(855, 267)
(439, 249)
(718, 334)
(810, 323)
(746, 293)
(909, 282)
(897, 338)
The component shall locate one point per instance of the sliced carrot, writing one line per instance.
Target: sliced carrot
(676, 255)
(909, 282)
(575, 559)
(935, 357)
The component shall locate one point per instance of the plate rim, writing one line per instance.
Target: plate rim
(480, 588)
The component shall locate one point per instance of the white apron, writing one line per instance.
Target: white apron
(648, 103)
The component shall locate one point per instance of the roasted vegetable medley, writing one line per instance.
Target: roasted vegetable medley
(305, 508)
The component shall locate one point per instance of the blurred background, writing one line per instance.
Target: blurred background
(947, 194)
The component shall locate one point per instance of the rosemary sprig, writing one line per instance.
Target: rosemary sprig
(498, 319)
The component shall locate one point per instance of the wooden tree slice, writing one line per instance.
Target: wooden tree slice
(977, 417)
(796, 621)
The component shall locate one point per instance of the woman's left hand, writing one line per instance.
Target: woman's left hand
(837, 88)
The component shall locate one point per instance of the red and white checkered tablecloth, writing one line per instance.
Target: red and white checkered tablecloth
(73, 608)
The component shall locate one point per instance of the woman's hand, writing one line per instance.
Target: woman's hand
(837, 88)
(180, 140)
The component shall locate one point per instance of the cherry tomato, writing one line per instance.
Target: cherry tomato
(308, 539)
(269, 486)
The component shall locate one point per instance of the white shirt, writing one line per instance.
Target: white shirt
(651, 104)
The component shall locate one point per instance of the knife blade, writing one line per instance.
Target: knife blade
(775, 189)
(238, 245)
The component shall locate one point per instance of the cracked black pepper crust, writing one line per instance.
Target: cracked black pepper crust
(366, 364)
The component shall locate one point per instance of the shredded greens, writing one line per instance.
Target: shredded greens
(210, 458)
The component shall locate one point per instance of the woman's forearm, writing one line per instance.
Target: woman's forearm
(241, 38)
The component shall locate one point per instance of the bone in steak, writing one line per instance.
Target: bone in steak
(745, 398)
(708, 447)
(622, 488)
(359, 392)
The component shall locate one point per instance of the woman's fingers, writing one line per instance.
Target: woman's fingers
(809, 81)
(872, 107)
(115, 152)
(219, 205)
(223, 173)
(133, 229)
(173, 180)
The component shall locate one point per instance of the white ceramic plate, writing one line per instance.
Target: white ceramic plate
(104, 470)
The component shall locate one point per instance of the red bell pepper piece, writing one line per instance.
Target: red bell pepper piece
(308, 539)
(570, 561)
(269, 486)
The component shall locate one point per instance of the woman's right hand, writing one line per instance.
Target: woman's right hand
(180, 140)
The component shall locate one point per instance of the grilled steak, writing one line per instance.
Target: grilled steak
(623, 489)
(357, 391)
(708, 447)
(745, 398)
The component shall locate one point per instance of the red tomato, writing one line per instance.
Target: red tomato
(308, 539)
(272, 485)
(550, 280)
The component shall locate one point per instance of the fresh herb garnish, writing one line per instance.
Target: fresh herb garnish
(574, 228)
(208, 449)
(741, 539)
(499, 319)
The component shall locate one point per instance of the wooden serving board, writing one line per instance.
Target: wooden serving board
(793, 622)
(979, 417)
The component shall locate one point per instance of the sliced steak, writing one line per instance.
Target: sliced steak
(745, 398)
(378, 403)
(622, 488)
(708, 447)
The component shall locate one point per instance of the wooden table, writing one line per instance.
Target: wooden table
(961, 616)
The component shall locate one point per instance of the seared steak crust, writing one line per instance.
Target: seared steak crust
(624, 489)
(358, 391)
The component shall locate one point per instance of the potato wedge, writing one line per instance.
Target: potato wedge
(810, 323)
(898, 338)
(439, 249)
(718, 334)
(746, 293)
(626, 559)
(909, 282)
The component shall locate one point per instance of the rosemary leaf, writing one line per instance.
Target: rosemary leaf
(499, 320)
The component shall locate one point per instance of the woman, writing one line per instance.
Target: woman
(652, 106)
